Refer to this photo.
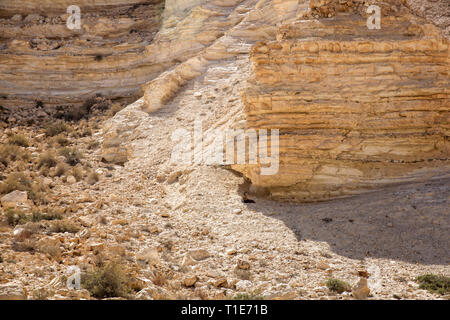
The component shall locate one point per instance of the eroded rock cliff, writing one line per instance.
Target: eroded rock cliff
(41, 59)
(356, 108)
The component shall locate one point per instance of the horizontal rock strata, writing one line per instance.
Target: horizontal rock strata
(356, 108)
(41, 59)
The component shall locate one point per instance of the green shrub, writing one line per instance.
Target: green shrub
(338, 286)
(434, 283)
(38, 216)
(247, 296)
(107, 281)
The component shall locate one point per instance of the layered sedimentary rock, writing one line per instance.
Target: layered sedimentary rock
(356, 108)
(41, 59)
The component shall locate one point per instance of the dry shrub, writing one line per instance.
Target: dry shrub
(159, 278)
(47, 160)
(72, 155)
(18, 140)
(15, 181)
(10, 153)
(64, 226)
(107, 281)
(54, 129)
(92, 178)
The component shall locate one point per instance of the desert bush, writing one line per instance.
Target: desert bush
(47, 160)
(51, 215)
(159, 278)
(38, 193)
(72, 155)
(11, 152)
(116, 107)
(61, 140)
(15, 217)
(54, 129)
(338, 286)
(61, 169)
(434, 283)
(62, 226)
(107, 281)
(77, 173)
(247, 296)
(92, 178)
(18, 140)
(15, 181)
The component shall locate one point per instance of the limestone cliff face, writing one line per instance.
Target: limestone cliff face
(42, 59)
(356, 108)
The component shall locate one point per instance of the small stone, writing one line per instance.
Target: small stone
(188, 261)
(14, 199)
(47, 182)
(243, 265)
(237, 211)
(243, 285)
(221, 283)
(71, 180)
(190, 281)
(121, 222)
(21, 234)
(96, 246)
(12, 291)
(173, 177)
(149, 256)
(323, 265)
(16, 18)
(199, 254)
(361, 290)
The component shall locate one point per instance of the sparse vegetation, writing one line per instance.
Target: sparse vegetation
(77, 173)
(338, 286)
(64, 226)
(434, 283)
(72, 155)
(159, 278)
(61, 140)
(247, 296)
(11, 152)
(18, 140)
(109, 280)
(47, 160)
(15, 181)
(54, 129)
(92, 178)
(51, 215)
(15, 217)
(61, 169)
